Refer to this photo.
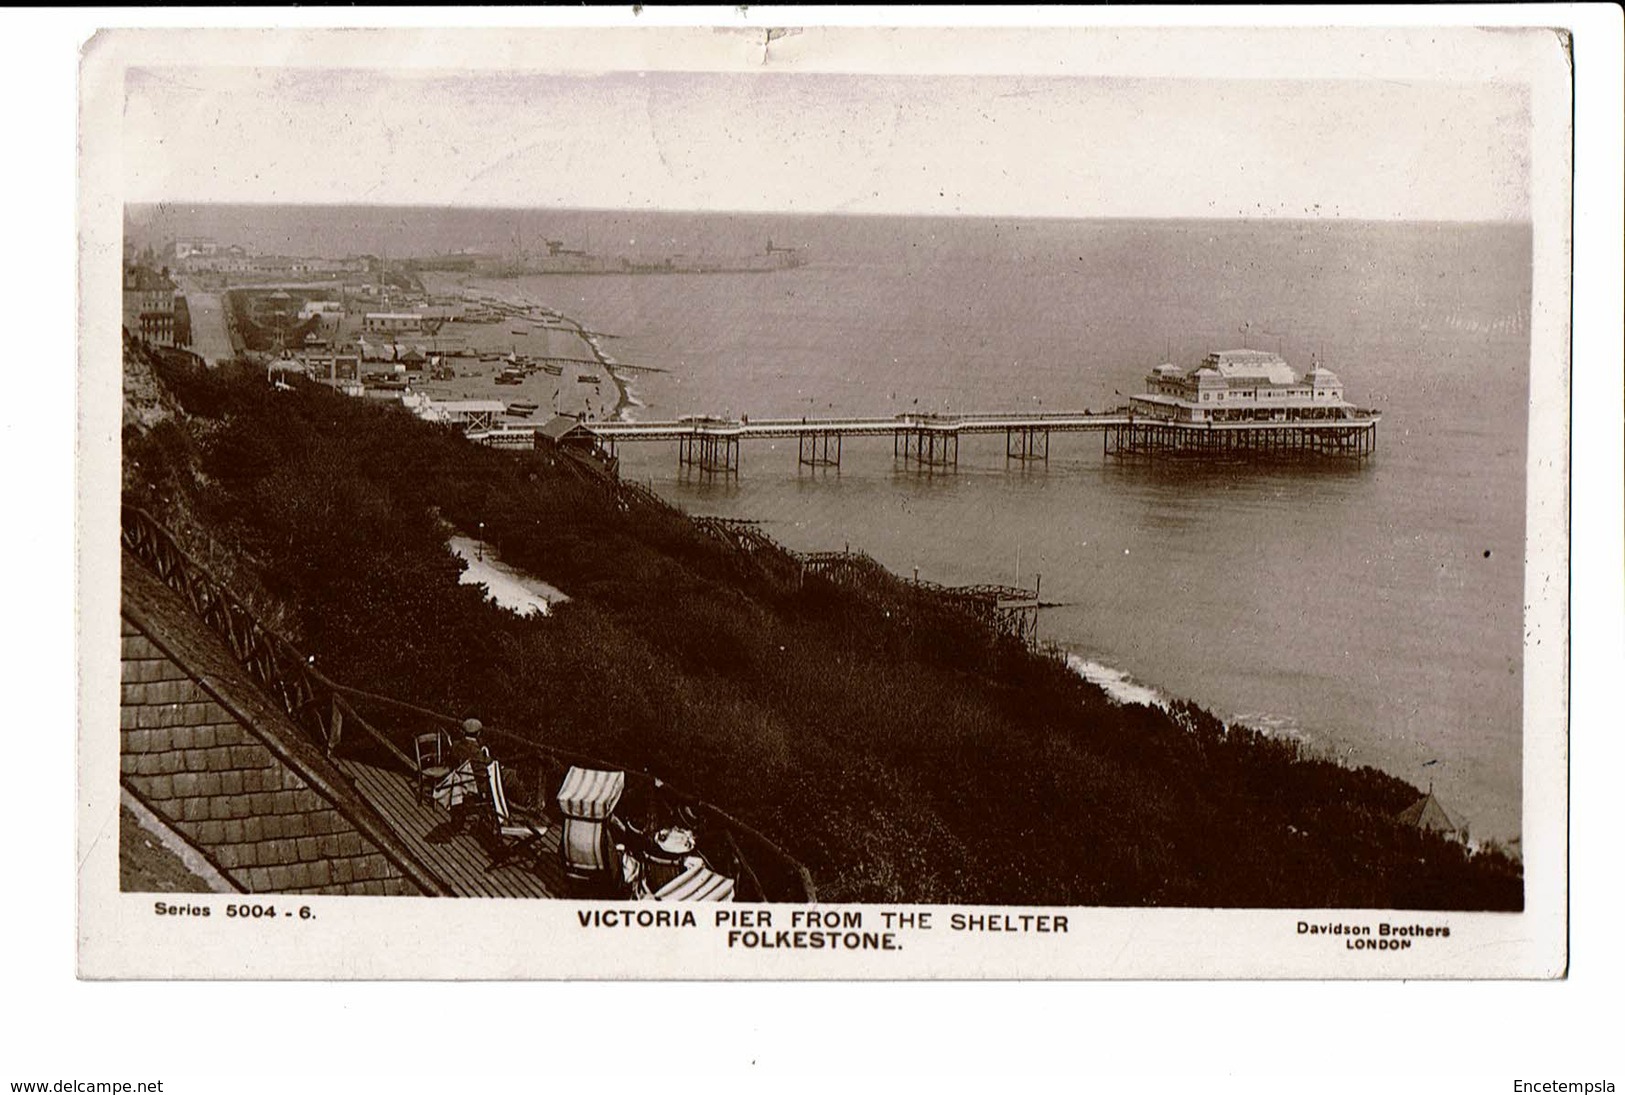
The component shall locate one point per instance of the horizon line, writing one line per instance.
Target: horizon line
(1526, 221)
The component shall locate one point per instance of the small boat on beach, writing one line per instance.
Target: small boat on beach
(523, 408)
(589, 378)
(510, 376)
(553, 370)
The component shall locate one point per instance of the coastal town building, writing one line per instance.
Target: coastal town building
(327, 314)
(566, 431)
(391, 351)
(232, 261)
(150, 304)
(392, 322)
(188, 246)
(332, 367)
(1241, 386)
(207, 257)
(1426, 814)
(473, 414)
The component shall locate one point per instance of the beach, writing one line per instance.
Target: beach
(590, 383)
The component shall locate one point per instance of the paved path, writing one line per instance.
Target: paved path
(209, 338)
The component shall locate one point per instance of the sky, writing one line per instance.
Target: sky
(1047, 143)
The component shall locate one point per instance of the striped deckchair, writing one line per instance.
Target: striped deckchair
(697, 883)
(515, 832)
(586, 799)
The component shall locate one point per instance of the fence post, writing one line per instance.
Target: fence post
(335, 723)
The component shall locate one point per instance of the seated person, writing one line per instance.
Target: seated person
(471, 751)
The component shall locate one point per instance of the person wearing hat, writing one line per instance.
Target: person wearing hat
(469, 749)
(469, 761)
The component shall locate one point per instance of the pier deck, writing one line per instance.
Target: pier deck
(457, 857)
(712, 444)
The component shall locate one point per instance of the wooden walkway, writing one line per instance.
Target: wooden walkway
(459, 859)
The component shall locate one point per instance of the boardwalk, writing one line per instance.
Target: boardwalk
(458, 859)
(761, 429)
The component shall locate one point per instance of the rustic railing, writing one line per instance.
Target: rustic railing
(332, 715)
(274, 663)
(629, 494)
(1010, 610)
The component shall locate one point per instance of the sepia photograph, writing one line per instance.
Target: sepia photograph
(826, 501)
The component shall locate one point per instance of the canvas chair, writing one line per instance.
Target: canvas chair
(587, 848)
(589, 853)
(430, 753)
(698, 882)
(515, 831)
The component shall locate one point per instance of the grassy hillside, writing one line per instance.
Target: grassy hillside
(897, 748)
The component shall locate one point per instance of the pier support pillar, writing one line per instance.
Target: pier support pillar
(710, 453)
(929, 448)
(813, 450)
(1026, 443)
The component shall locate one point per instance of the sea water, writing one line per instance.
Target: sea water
(1374, 611)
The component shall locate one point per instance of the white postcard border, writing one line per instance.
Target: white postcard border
(121, 937)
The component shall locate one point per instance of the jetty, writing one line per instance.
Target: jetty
(712, 444)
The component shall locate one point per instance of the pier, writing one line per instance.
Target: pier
(931, 441)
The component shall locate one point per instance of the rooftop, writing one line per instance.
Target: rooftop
(233, 778)
(144, 279)
(470, 406)
(1251, 364)
(227, 773)
(559, 425)
(1426, 813)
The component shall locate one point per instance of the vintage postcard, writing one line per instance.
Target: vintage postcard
(825, 502)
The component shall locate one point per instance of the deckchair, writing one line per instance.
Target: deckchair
(515, 831)
(587, 849)
(697, 883)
